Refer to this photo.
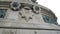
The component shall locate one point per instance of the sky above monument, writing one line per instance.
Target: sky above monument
(54, 5)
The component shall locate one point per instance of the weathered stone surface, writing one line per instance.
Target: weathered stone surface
(27, 20)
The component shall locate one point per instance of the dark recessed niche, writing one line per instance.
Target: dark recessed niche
(37, 8)
(3, 13)
(15, 4)
(49, 19)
